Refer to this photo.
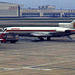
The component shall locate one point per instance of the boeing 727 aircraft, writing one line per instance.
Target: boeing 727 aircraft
(64, 29)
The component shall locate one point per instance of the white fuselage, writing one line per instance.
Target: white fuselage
(35, 29)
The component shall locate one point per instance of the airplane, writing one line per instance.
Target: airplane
(64, 29)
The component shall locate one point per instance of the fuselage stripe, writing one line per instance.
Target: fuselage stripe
(34, 30)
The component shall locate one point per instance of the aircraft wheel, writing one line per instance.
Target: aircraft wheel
(48, 38)
(1, 41)
(41, 38)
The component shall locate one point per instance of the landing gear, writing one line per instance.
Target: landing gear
(3, 41)
(41, 38)
(48, 38)
(69, 37)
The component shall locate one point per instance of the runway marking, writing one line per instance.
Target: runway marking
(34, 67)
(56, 62)
(30, 68)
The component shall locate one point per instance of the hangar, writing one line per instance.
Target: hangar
(9, 9)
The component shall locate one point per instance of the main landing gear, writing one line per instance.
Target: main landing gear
(42, 39)
(48, 38)
(69, 37)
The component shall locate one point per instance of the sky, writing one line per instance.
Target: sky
(60, 4)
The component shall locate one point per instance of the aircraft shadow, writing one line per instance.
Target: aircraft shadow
(53, 40)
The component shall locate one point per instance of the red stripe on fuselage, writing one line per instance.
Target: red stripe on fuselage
(72, 30)
(34, 30)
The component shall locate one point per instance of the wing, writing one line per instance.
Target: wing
(43, 34)
(59, 32)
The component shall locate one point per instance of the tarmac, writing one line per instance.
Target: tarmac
(9, 22)
(30, 56)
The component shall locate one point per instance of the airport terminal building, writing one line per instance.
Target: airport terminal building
(46, 11)
(14, 10)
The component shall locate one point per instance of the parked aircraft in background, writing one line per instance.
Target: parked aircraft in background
(64, 29)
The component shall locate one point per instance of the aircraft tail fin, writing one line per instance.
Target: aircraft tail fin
(68, 25)
(73, 23)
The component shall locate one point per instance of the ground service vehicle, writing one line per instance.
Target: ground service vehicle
(8, 37)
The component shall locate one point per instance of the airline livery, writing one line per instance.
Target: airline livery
(64, 29)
